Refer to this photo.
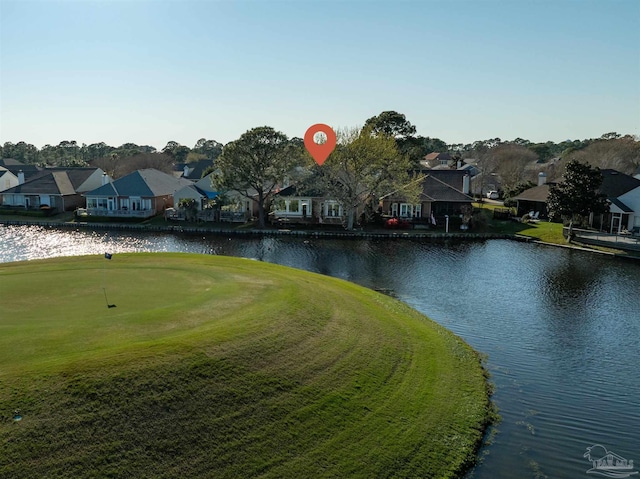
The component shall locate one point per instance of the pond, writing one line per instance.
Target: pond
(560, 328)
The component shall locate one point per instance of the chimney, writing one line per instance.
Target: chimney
(542, 178)
(105, 179)
(459, 164)
(465, 184)
(20, 177)
(185, 172)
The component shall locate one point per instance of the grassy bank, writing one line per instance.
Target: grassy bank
(221, 367)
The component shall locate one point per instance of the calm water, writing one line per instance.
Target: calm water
(561, 328)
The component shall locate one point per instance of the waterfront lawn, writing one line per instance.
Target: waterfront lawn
(211, 366)
(542, 231)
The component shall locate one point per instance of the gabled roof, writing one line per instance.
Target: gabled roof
(147, 183)
(451, 177)
(624, 208)
(15, 167)
(437, 156)
(537, 193)
(53, 181)
(615, 183)
(195, 169)
(435, 189)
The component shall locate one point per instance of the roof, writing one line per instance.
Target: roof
(148, 183)
(53, 181)
(616, 183)
(537, 193)
(624, 208)
(435, 189)
(451, 177)
(292, 190)
(195, 169)
(437, 156)
(207, 194)
(10, 162)
(15, 167)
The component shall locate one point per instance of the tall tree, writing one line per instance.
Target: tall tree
(390, 123)
(211, 149)
(577, 195)
(362, 168)
(177, 151)
(510, 164)
(255, 165)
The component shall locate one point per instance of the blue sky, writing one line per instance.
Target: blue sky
(149, 72)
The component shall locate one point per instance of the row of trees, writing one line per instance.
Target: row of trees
(515, 161)
(69, 153)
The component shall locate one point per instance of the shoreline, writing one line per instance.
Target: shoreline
(305, 233)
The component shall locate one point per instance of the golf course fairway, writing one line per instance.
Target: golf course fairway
(217, 367)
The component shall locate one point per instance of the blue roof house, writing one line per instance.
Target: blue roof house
(141, 194)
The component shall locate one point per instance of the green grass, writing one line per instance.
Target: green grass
(223, 367)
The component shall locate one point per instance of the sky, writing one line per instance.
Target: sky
(149, 72)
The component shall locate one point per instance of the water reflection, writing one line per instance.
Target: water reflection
(561, 328)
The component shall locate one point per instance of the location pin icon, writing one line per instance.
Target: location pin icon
(320, 151)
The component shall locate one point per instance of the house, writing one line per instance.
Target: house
(312, 207)
(202, 192)
(622, 192)
(57, 188)
(443, 193)
(534, 199)
(437, 160)
(141, 194)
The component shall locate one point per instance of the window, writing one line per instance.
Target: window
(333, 209)
(405, 210)
(294, 206)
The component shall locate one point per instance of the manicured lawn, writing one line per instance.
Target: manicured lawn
(223, 367)
(543, 231)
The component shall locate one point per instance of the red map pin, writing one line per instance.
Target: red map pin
(320, 151)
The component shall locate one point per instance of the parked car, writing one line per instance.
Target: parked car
(493, 195)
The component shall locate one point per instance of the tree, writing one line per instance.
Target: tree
(510, 163)
(190, 208)
(577, 195)
(362, 168)
(390, 123)
(255, 165)
(416, 147)
(177, 151)
(622, 154)
(211, 149)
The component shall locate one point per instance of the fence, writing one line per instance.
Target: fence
(598, 238)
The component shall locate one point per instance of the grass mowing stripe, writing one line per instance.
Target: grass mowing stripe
(222, 367)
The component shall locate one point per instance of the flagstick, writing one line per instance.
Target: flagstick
(105, 297)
